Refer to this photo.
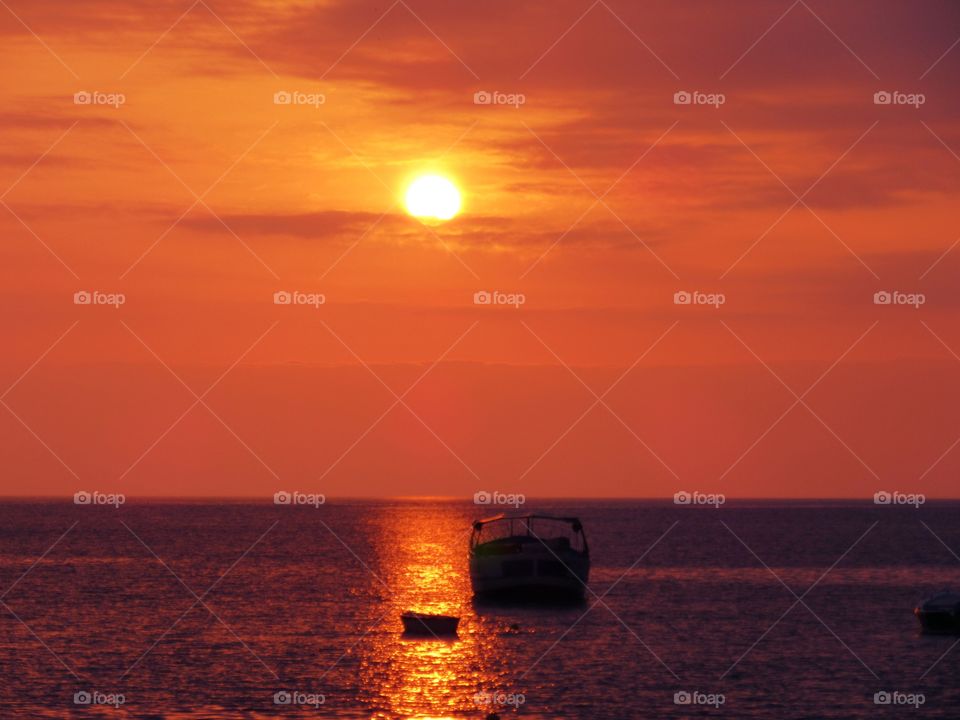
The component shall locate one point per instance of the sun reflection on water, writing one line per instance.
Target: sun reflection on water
(425, 566)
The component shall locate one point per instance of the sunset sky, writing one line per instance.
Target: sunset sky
(598, 198)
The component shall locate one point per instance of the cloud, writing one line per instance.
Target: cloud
(314, 225)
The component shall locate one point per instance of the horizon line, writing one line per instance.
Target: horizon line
(460, 498)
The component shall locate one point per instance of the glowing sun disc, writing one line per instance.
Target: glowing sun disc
(432, 197)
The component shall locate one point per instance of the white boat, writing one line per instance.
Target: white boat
(529, 557)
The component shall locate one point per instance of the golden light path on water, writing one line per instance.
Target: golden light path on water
(425, 568)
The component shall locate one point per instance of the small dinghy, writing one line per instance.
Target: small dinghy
(940, 614)
(426, 625)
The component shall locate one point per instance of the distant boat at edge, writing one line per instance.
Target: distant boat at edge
(538, 557)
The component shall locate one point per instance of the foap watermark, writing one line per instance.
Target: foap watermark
(95, 697)
(482, 497)
(499, 698)
(495, 297)
(82, 497)
(683, 297)
(695, 697)
(282, 497)
(683, 97)
(698, 498)
(283, 97)
(114, 100)
(296, 697)
(95, 297)
(895, 297)
(895, 497)
(295, 297)
(895, 697)
(482, 97)
(895, 97)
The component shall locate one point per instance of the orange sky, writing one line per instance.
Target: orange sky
(307, 198)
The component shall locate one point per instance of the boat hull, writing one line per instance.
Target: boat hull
(533, 577)
(940, 614)
(938, 622)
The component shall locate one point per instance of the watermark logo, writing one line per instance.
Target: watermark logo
(114, 100)
(482, 97)
(895, 697)
(282, 497)
(683, 297)
(698, 498)
(895, 97)
(295, 697)
(295, 297)
(495, 297)
(685, 697)
(282, 97)
(499, 698)
(882, 497)
(82, 497)
(482, 497)
(95, 297)
(683, 97)
(895, 297)
(94, 697)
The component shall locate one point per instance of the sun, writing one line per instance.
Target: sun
(432, 198)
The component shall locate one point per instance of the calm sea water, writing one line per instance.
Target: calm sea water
(208, 610)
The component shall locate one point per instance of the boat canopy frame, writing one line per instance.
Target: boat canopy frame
(526, 521)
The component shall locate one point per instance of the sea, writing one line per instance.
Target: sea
(238, 609)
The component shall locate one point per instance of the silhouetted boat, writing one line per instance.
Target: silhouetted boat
(539, 557)
(940, 614)
(424, 624)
